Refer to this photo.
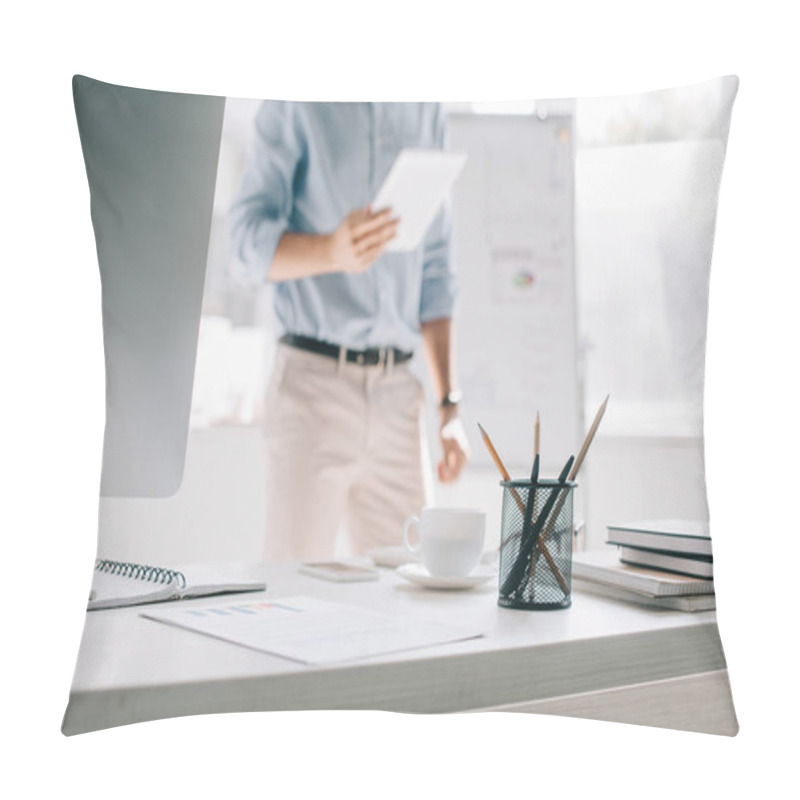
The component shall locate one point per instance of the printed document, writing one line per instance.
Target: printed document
(309, 630)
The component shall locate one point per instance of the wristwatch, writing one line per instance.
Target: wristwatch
(451, 399)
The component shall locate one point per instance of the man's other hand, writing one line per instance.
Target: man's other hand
(455, 448)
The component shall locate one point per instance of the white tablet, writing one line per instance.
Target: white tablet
(415, 189)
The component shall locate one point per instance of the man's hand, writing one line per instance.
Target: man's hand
(361, 239)
(353, 247)
(455, 448)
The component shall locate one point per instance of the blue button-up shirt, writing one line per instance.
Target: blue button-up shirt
(314, 163)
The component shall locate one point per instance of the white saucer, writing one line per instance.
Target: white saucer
(416, 573)
(391, 556)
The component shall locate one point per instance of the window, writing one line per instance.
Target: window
(235, 349)
(643, 256)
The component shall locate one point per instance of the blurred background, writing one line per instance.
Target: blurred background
(583, 232)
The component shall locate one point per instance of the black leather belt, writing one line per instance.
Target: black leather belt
(366, 358)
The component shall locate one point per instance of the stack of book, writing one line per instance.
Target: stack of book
(662, 563)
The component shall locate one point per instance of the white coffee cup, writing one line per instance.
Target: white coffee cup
(450, 540)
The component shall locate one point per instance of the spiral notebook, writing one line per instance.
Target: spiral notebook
(119, 583)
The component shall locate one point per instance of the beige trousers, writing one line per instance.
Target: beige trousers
(343, 443)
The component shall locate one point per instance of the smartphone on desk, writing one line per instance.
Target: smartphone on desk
(339, 571)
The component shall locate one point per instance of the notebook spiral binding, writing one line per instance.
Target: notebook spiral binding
(142, 572)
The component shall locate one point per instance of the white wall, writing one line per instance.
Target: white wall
(633, 470)
(219, 514)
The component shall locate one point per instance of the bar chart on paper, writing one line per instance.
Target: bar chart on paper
(309, 630)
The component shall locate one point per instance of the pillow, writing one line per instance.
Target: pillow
(266, 406)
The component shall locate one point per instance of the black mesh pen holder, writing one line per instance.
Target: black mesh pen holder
(536, 545)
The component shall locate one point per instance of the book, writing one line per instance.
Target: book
(689, 602)
(603, 566)
(688, 564)
(119, 583)
(667, 535)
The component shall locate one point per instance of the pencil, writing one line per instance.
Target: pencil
(501, 468)
(547, 530)
(506, 477)
(589, 437)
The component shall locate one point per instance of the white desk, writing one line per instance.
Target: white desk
(600, 658)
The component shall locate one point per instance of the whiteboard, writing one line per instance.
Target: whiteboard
(514, 256)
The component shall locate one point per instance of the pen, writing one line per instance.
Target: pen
(526, 546)
(534, 559)
(526, 521)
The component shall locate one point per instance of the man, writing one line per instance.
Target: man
(343, 426)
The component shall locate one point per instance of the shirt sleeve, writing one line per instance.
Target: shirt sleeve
(259, 214)
(438, 294)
